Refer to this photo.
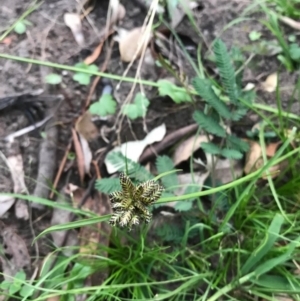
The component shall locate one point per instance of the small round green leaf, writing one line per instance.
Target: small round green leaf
(20, 27)
(82, 78)
(53, 79)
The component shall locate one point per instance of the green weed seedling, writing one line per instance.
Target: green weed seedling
(289, 8)
(15, 285)
(84, 78)
(105, 106)
(217, 112)
(254, 35)
(53, 79)
(166, 88)
(289, 55)
(138, 108)
(21, 26)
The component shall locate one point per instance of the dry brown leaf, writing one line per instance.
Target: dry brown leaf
(91, 236)
(188, 147)
(270, 84)
(73, 21)
(85, 126)
(21, 209)
(272, 148)
(130, 44)
(179, 13)
(92, 58)
(249, 87)
(87, 154)
(134, 149)
(253, 158)
(7, 41)
(6, 202)
(185, 180)
(224, 170)
(79, 155)
(117, 12)
(15, 164)
(62, 216)
(16, 247)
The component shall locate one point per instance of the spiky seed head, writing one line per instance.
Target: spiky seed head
(148, 188)
(135, 220)
(141, 207)
(125, 218)
(115, 218)
(116, 196)
(128, 188)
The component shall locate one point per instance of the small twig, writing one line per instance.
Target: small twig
(61, 168)
(28, 129)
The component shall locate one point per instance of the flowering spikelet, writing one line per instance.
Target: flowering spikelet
(130, 205)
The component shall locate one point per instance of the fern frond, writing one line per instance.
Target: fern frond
(185, 205)
(231, 154)
(226, 70)
(134, 169)
(170, 232)
(164, 164)
(204, 89)
(108, 185)
(209, 124)
(248, 96)
(239, 113)
(238, 143)
(211, 148)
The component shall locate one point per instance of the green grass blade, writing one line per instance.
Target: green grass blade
(272, 263)
(266, 245)
(73, 225)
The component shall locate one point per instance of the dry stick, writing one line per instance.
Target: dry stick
(88, 100)
(153, 150)
(61, 167)
(143, 45)
(47, 153)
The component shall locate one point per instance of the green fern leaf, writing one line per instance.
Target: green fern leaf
(209, 124)
(164, 164)
(184, 205)
(204, 89)
(248, 96)
(133, 169)
(231, 154)
(238, 143)
(187, 204)
(238, 60)
(211, 148)
(108, 185)
(226, 70)
(170, 232)
(239, 113)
